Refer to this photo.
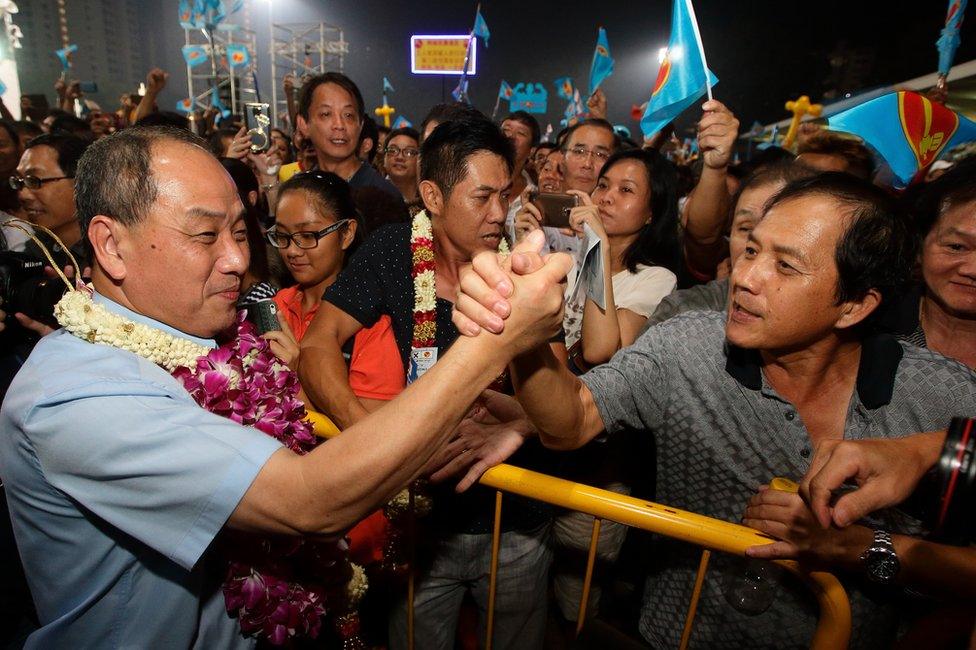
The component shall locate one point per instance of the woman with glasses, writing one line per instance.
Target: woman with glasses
(401, 157)
(316, 229)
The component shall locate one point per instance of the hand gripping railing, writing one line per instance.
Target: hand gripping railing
(833, 629)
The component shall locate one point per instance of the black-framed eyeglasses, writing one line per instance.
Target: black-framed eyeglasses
(408, 152)
(31, 182)
(304, 238)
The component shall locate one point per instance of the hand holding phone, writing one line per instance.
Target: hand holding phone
(555, 208)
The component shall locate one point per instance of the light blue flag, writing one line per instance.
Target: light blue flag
(772, 139)
(187, 16)
(402, 123)
(217, 104)
(949, 39)
(185, 106)
(194, 55)
(481, 28)
(602, 66)
(460, 93)
(681, 78)
(907, 130)
(64, 54)
(564, 88)
(505, 91)
(387, 86)
(237, 55)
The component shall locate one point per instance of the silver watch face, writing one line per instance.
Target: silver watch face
(882, 566)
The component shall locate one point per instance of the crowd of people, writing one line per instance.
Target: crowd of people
(682, 329)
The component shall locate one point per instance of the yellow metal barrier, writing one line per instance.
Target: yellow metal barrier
(834, 627)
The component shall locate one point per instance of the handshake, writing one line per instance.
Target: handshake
(518, 300)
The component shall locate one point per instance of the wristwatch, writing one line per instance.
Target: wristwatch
(880, 560)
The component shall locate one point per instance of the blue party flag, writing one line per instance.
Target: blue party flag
(237, 55)
(187, 15)
(194, 55)
(402, 123)
(564, 88)
(217, 104)
(505, 91)
(481, 27)
(387, 86)
(602, 66)
(772, 139)
(907, 130)
(681, 78)
(460, 93)
(185, 106)
(949, 40)
(65, 55)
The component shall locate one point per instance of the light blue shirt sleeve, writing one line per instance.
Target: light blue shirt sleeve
(152, 464)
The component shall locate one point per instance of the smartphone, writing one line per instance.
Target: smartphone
(555, 208)
(264, 315)
(257, 121)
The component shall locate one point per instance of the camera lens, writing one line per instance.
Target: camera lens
(953, 519)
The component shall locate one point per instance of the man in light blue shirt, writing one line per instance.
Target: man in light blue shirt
(118, 483)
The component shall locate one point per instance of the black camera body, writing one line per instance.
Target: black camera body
(26, 289)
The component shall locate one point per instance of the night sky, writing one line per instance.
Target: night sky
(763, 52)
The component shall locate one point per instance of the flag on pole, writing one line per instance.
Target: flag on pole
(387, 86)
(194, 55)
(460, 93)
(217, 104)
(64, 54)
(481, 27)
(907, 130)
(505, 91)
(187, 15)
(564, 88)
(682, 78)
(602, 66)
(949, 39)
(185, 106)
(402, 123)
(237, 55)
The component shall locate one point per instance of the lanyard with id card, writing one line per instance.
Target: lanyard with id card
(421, 360)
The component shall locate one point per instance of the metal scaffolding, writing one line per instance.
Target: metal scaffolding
(217, 73)
(302, 50)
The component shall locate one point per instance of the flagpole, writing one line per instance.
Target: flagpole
(701, 47)
(467, 55)
(498, 101)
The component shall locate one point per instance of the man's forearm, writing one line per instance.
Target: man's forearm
(358, 471)
(147, 105)
(707, 212)
(325, 379)
(550, 395)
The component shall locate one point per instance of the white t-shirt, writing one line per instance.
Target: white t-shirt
(640, 292)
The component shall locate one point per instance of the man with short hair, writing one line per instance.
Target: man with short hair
(523, 131)
(733, 401)
(118, 482)
(331, 114)
(45, 181)
(465, 177)
(832, 152)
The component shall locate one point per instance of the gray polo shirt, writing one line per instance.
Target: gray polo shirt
(721, 431)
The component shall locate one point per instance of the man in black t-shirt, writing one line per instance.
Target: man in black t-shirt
(331, 114)
(466, 168)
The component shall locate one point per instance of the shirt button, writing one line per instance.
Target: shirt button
(805, 452)
(790, 415)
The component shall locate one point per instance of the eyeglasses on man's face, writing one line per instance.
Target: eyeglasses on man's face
(31, 182)
(408, 152)
(579, 151)
(304, 238)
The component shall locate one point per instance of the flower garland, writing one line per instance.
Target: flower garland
(424, 283)
(279, 588)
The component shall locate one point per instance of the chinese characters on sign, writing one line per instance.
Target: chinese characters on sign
(434, 54)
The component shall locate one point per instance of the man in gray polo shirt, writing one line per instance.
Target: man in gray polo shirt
(735, 400)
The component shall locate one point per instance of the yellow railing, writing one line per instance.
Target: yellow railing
(834, 627)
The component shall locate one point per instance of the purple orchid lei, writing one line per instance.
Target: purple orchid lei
(278, 587)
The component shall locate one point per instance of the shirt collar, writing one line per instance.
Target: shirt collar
(125, 312)
(880, 356)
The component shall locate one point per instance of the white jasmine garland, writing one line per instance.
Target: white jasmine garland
(82, 317)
